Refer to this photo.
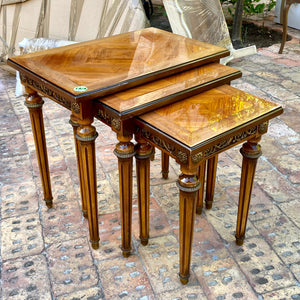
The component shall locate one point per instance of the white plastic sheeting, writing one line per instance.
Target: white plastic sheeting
(203, 20)
(77, 20)
(39, 44)
(198, 19)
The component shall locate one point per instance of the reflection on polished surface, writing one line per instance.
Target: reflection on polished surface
(130, 101)
(123, 60)
(209, 114)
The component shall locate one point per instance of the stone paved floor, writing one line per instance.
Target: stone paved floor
(45, 253)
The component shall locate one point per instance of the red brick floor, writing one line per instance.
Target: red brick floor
(45, 253)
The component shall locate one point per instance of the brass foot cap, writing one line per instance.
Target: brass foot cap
(126, 253)
(184, 279)
(95, 244)
(144, 242)
(199, 210)
(239, 241)
(165, 175)
(208, 204)
(49, 203)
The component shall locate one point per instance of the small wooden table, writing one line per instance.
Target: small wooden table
(196, 129)
(82, 78)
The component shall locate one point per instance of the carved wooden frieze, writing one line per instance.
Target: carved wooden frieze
(263, 127)
(45, 90)
(170, 148)
(230, 141)
(197, 157)
(109, 119)
(182, 157)
(75, 107)
(104, 117)
(116, 124)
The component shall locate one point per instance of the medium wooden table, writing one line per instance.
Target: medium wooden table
(192, 131)
(113, 79)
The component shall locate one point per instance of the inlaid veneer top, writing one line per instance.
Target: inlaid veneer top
(208, 115)
(114, 63)
(167, 90)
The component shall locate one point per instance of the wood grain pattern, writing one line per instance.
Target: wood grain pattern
(152, 95)
(188, 190)
(196, 120)
(117, 62)
(143, 155)
(34, 104)
(125, 151)
(208, 124)
(74, 122)
(201, 176)
(164, 165)
(250, 151)
(210, 181)
(86, 135)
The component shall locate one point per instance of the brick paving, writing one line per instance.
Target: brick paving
(45, 253)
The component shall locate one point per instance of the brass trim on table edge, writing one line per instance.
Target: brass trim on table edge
(198, 157)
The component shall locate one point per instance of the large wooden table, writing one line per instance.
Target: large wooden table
(114, 79)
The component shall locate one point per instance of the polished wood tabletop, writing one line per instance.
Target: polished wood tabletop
(207, 116)
(193, 131)
(94, 68)
(152, 95)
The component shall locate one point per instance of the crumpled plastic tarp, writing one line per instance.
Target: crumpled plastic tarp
(199, 19)
(39, 44)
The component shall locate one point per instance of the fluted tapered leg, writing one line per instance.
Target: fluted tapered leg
(34, 104)
(143, 155)
(125, 152)
(75, 125)
(188, 191)
(201, 176)
(210, 181)
(164, 165)
(251, 151)
(86, 135)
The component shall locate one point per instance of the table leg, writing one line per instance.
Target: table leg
(34, 104)
(188, 185)
(251, 151)
(201, 176)
(164, 165)
(75, 125)
(210, 181)
(125, 152)
(153, 155)
(86, 135)
(144, 152)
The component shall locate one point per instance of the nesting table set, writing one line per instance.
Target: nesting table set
(168, 92)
